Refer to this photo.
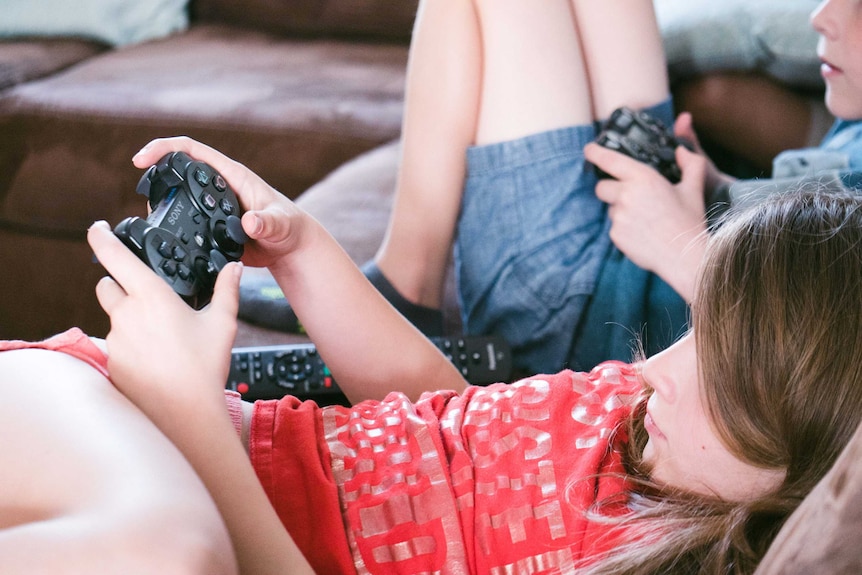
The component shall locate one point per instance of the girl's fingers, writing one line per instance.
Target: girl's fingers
(124, 267)
(110, 294)
(233, 171)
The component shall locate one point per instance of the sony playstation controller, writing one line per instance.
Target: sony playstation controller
(644, 138)
(193, 229)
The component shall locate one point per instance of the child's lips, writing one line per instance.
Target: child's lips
(651, 427)
(827, 68)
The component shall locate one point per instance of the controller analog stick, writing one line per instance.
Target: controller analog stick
(226, 236)
(234, 230)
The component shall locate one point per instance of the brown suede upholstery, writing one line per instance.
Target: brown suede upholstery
(25, 60)
(291, 106)
(822, 536)
(374, 19)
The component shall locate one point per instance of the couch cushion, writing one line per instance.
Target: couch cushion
(23, 60)
(293, 110)
(769, 36)
(822, 535)
(116, 22)
(375, 18)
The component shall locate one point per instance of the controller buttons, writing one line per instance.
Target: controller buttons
(202, 177)
(611, 144)
(235, 230)
(219, 183)
(203, 267)
(179, 253)
(217, 261)
(667, 154)
(208, 201)
(200, 240)
(170, 268)
(226, 206)
(184, 271)
(229, 235)
(624, 121)
(164, 250)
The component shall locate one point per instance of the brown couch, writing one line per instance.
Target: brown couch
(293, 89)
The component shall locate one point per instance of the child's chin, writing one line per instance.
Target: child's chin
(649, 453)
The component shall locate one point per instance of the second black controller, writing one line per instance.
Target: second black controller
(644, 138)
(193, 230)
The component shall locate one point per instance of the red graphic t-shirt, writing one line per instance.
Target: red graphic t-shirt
(495, 480)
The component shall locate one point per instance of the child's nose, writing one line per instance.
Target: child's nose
(821, 19)
(658, 371)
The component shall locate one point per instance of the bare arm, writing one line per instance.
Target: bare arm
(172, 361)
(370, 348)
(90, 485)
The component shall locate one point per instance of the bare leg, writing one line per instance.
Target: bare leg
(477, 74)
(624, 54)
(534, 77)
(443, 84)
(89, 484)
(484, 71)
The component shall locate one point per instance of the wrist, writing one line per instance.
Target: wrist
(681, 271)
(305, 237)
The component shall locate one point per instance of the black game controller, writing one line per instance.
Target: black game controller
(644, 138)
(194, 228)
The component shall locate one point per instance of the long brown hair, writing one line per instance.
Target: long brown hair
(778, 328)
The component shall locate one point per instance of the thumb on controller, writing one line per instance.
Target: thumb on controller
(272, 224)
(692, 165)
(683, 129)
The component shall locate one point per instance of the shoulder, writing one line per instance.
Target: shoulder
(844, 134)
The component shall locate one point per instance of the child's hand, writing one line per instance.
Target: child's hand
(658, 225)
(161, 352)
(684, 128)
(349, 321)
(270, 219)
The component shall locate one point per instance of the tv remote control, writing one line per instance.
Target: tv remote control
(271, 372)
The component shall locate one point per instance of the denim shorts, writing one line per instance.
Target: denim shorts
(535, 264)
